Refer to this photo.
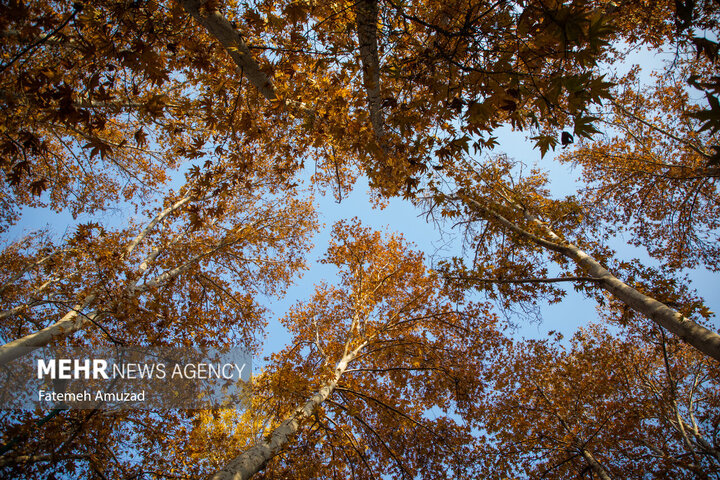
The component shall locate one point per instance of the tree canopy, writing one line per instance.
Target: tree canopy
(214, 125)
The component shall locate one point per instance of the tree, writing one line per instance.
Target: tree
(172, 271)
(372, 362)
(105, 100)
(611, 406)
(521, 210)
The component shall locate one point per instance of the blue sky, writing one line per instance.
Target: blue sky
(402, 217)
(399, 216)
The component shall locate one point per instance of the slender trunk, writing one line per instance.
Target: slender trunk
(158, 219)
(706, 446)
(24, 459)
(29, 305)
(366, 14)
(694, 334)
(220, 28)
(29, 267)
(224, 32)
(255, 458)
(26, 306)
(595, 465)
(73, 321)
(703, 339)
(168, 275)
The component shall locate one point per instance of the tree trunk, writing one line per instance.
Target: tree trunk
(224, 32)
(366, 15)
(220, 28)
(595, 465)
(694, 334)
(255, 458)
(67, 325)
(75, 319)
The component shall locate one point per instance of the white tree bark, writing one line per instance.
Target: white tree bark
(153, 223)
(29, 267)
(255, 458)
(75, 319)
(224, 32)
(25, 306)
(220, 28)
(595, 465)
(694, 334)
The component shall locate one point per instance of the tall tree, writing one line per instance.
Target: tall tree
(380, 370)
(628, 406)
(516, 207)
(180, 277)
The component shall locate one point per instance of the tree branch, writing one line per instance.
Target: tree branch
(219, 27)
(366, 17)
(523, 280)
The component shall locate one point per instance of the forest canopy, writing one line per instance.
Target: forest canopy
(215, 126)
